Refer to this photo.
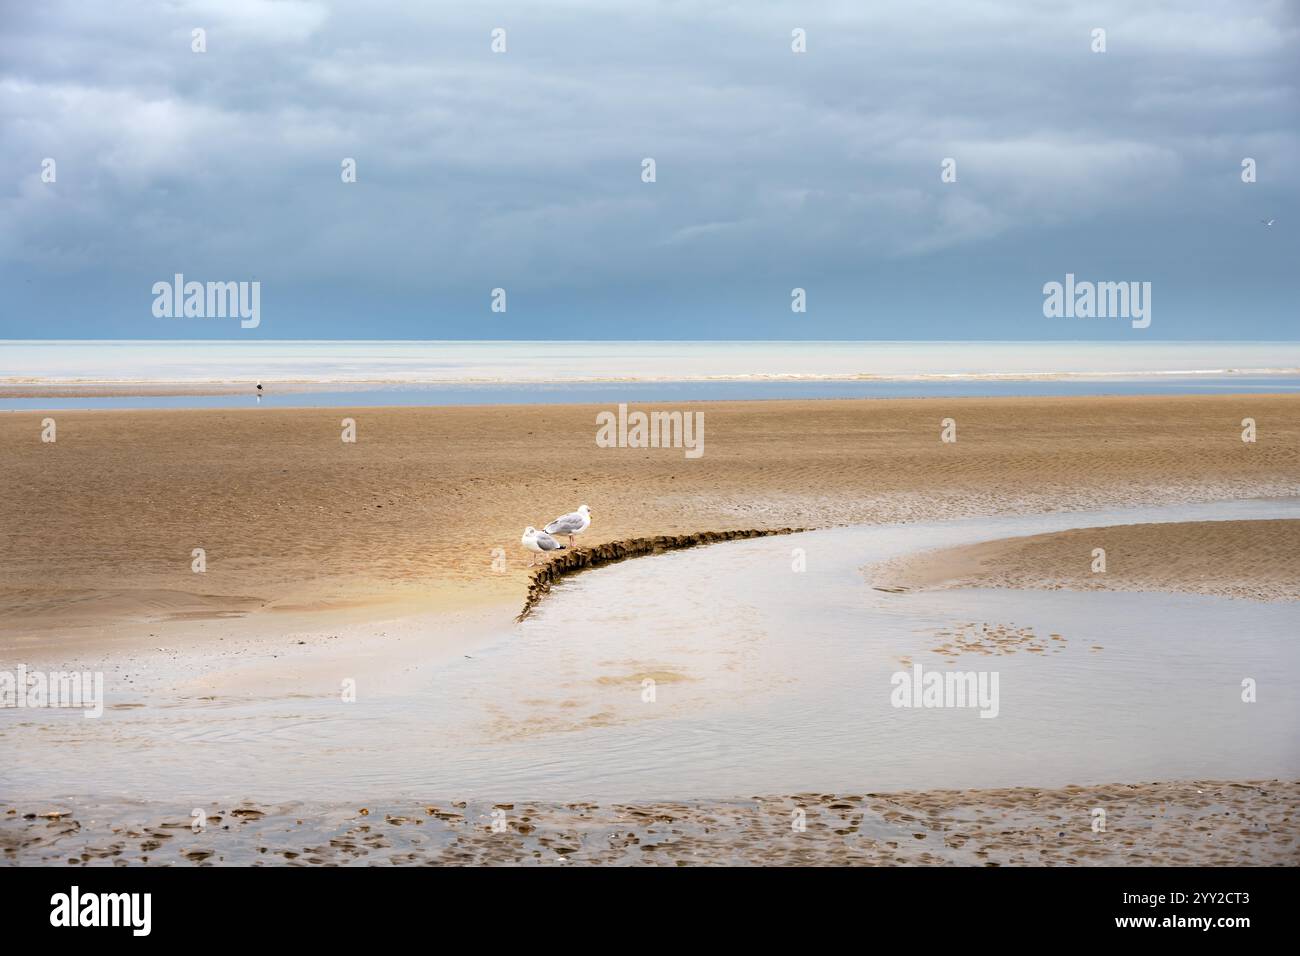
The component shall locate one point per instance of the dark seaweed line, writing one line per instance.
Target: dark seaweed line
(583, 559)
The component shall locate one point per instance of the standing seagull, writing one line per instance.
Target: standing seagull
(539, 542)
(571, 524)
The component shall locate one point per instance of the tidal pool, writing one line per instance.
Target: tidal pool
(724, 672)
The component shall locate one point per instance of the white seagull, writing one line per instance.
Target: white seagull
(539, 542)
(1268, 222)
(571, 524)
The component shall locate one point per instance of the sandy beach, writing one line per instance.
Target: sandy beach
(1210, 823)
(1254, 560)
(98, 528)
(400, 552)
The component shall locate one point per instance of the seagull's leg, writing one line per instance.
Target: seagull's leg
(570, 541)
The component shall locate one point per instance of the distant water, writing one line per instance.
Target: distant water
(472, 373)
(521, 362)
(641, 392)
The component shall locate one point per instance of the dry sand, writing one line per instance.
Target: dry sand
(1207, 823)
(1259, 560)
(302, 530)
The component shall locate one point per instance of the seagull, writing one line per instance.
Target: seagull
(539, 542)
(1268, 222)
(571, 524)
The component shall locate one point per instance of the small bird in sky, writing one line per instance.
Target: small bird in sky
(1268, 222)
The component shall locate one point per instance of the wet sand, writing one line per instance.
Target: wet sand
(1205, 823)
(1255, 560)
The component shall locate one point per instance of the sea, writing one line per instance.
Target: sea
(53, 374)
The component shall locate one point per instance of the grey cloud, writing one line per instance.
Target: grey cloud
(473, 167)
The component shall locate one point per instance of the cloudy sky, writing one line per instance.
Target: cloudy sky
(775, 170)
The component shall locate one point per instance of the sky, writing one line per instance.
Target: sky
(774, 170)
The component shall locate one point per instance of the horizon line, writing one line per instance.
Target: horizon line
(810, 341)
